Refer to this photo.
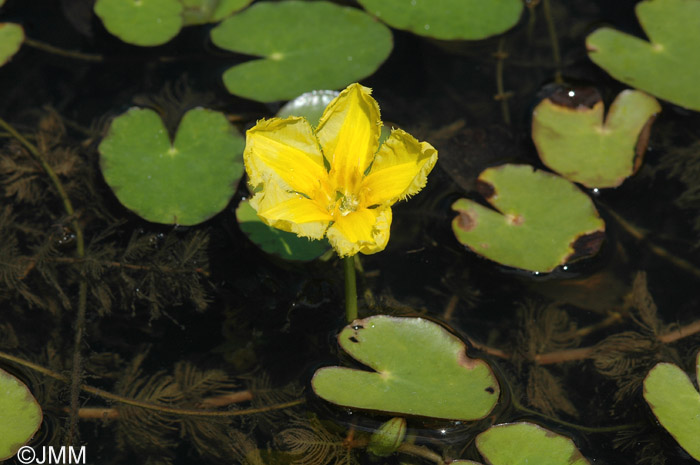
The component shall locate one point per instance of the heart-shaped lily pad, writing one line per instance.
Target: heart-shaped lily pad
(419, 369)
(315, 45)
(526, 443)
(448, 19)
(668, 66)
(185, 182)
(210, 11)
(579, 145)
(274, 241)
(542, 221)
(141, 22)
(11, 38)
(676, 403)
(21, 415)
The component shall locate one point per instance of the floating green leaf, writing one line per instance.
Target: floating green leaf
(527, 443)
(579, 145)
(668, 66)
(11, 38)
(420, 369)
(185, 182)
(676, 403)
(314, 45)
(542, 221)
(274, 241)
(141, 22)
(448, 19)
(210, 11)
(21, 415)
(388, 437)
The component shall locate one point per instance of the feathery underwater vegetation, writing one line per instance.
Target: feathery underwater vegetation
(173, 290)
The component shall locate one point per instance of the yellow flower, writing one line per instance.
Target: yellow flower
(333, 181)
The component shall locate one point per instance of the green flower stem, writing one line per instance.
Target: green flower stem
(350, 289)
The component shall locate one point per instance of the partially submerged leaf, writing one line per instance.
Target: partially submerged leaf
(419, 369)
(676, 403)
(668, 65)
(448, 19)
(21, 415)
(310, 105)
(274, 241)
(210, 11)
(185, 182)
(388, 437)
(315, 45)
(542, 221)
(11, 38)
(141, 22)
(580, 145)
(526, 443)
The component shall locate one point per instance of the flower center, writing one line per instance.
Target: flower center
(347, 203)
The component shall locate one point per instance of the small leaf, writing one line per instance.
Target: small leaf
(527, 443)
(11, 38)
(676, 403)
(579, 145)
(274, 241)
(210, 11)
(21, 415)
(448, 19)
(185, 182)
(542, 220)
(387, 439)
(668, 65)
(315, 45)
(310, 105)
(141, 22)
(418, 366)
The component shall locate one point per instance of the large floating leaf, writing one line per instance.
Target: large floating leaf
(527, 443)
(305, 45)
(667, 66)
(676, 403)
(20, 415)
(542, 221)
(448, 19)
(185, 182)
(274, 241)
(141, 22)
(11, 38)
(579, 145)
(419, 369)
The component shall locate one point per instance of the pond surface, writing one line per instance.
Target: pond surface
(185, 316)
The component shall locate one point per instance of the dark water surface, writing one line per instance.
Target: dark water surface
(268, 325)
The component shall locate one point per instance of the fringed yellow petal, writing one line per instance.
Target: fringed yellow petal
(400, 169)
(366, 231)
(349, 135)
(291, 212)
(284, 150)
